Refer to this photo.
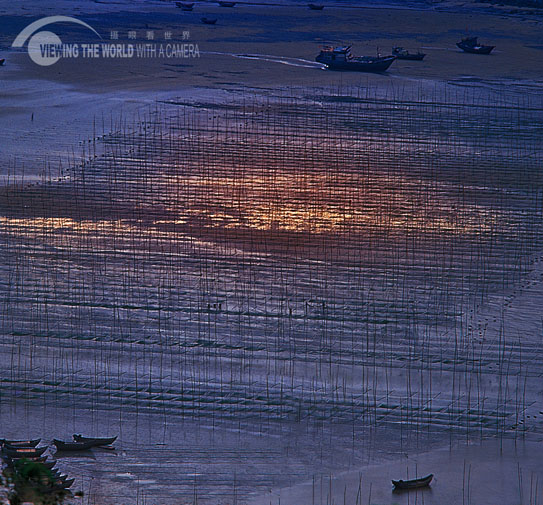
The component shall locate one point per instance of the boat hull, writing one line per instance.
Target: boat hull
(95, 441)
(475, 50)
(72, 446)
(21, 443)
(380, 65)
(414, 483)
(30, 452)
(412, 57)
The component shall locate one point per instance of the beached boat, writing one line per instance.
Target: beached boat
(57, 485)
(413, 483)
(31, 452)
(21, 443)
(185, 6)
(209, 21)
(316, 7)
(72, 446)
(14, 460)
(340, 58)
(227, 4)
(404, 54)
(96, 441)
(471, 45)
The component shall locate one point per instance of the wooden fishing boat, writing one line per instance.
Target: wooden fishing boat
(72, 446)
(96, 441)
(413, 483)
(316, 7)
(227, 4)
(31, 452)
(21, 443)
(404, 54)
(340, 58)
(15, 460)
(184, 6)
(209, 21)
(56, 486)
(471, 45)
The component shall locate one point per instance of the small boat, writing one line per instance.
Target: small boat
(227, 4)
(316, 7)
(2, 61)
(56, 486)
(14, 460)
(471, 45)
(72, 446)
(209, 21)
(21, 443)
(96, 441)
(340, 58)
(185, 6)
(404, 54)
(31, 452)
(413, 483)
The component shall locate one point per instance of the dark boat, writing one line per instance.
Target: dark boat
(96, 441)
(2, 61)
(14, 460)
(21, 443)
(340, 58)
(209, 21)
(413, 483)
(185, 6)
(471, 45)
(30, 452)
(72, 446)
(16, 463)
(227, 4)
(57, 485)
(315, 7)
(404, 54)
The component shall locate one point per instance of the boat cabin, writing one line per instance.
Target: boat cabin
(335, 54)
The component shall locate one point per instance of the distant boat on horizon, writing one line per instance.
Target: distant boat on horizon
(340, 58)
(471, 45)
(209, 21)
(226, 4)
(316, 7)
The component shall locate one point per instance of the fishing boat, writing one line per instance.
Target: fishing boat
(57, 485)
(404, 54)
(413, 483)
(96, 441)
(185, 6)
(72, 446)
(31, 452)
(15, 460)
(316, 7)
(227, 4)
(340, 58)
(471, 45)
(209, 21)
(21, 443)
